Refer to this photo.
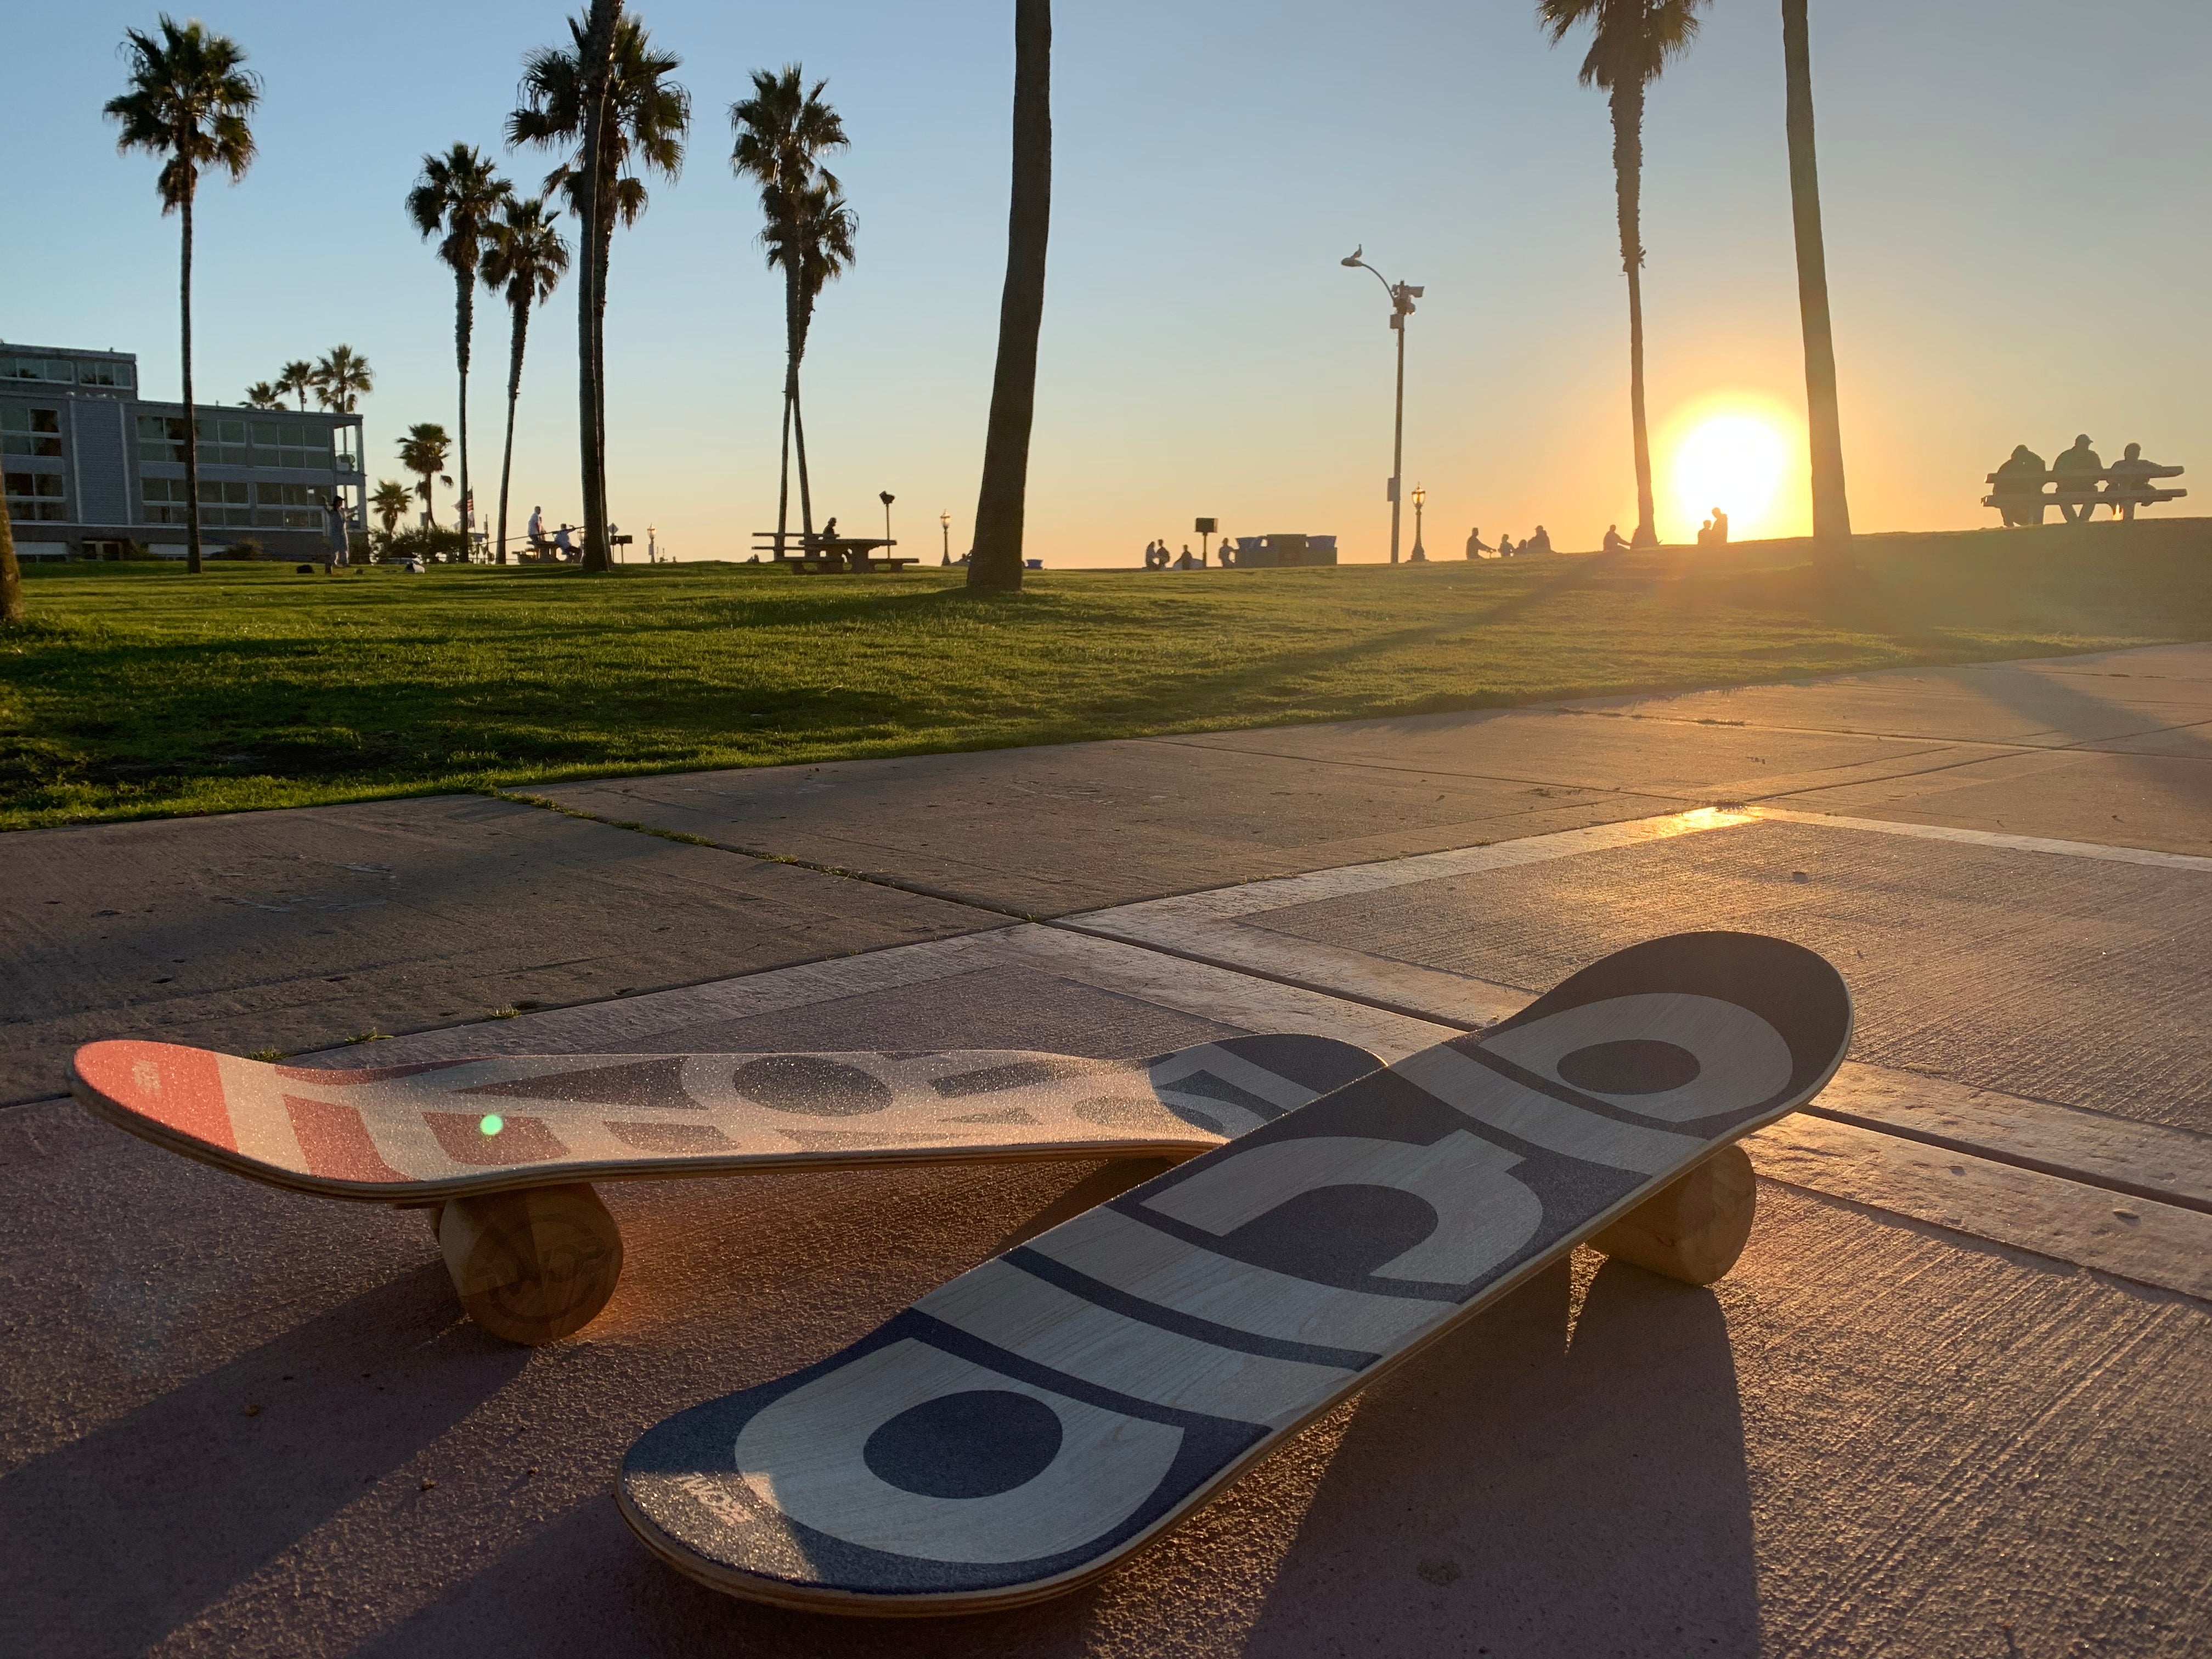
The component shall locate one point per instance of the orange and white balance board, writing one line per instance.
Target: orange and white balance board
(1022, 1429)
(445, 1129)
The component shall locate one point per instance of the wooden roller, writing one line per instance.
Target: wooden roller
(534, 1265)
(1694, 1229)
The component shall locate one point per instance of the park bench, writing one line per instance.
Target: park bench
(2122, 487)
(855, 553)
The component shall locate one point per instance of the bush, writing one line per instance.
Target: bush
(421, 543)
(245, 547)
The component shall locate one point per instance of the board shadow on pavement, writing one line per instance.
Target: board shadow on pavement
(115, 1539)
(1530, 1490)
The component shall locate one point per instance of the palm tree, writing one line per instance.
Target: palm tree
(423, 452)
(390, 502)
(1832, 507)
(1002, 502)
(524, 257)
(1630, 42)
(188, 102)
(782, 132)
(610, 96)
(343, 378)
(263, 395)
(458, 195)
(12, 608)
(297, 377)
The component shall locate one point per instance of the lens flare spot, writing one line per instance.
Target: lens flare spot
(491, 1123)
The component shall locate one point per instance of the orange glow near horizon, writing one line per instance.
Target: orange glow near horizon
(1734, 453)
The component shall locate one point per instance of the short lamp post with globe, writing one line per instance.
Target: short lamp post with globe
(1420, 496)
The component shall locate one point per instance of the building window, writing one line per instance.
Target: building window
(104, 373)
(161, 438)
(291, 507)
(30, 431)
(291, 443)
(55, 371)
(35, 496)
(224, 503)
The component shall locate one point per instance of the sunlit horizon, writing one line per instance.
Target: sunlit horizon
(1203, 353)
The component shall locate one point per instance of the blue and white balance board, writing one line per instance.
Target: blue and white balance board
(1021, 1431)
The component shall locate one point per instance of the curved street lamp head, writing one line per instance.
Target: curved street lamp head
(1358, 257)
(887, 498)
(1419, 494)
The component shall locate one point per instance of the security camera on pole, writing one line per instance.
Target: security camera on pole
(1401, 307)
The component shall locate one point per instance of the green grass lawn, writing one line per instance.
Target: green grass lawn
(139, 691)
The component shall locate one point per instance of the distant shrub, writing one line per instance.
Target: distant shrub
(245, 547)
(420, 542)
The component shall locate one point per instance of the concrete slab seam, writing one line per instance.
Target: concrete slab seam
(1996, 838)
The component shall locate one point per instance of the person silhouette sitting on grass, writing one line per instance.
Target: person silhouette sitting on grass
(1476, 547)
(1539, 541)
(1613, 542)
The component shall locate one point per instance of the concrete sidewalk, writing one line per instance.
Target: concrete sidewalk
(1952, 1402)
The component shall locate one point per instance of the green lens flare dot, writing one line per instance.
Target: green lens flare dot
(491, 1123)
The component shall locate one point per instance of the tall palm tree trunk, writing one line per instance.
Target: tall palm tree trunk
(465, 320)
(805, 494)
(598, 52)
(1002, 500)
(1832, 511)
(783, 483)
(600, 372)
(790, 406)
(12, 608)
(1628, 185)
(514, 393)
(191, 426)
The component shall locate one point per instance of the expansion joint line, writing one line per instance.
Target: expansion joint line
(1336, 992)
(872, 877)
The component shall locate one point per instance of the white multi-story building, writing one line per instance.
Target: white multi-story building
(92, 468)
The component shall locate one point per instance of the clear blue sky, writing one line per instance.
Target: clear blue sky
(2017, 215)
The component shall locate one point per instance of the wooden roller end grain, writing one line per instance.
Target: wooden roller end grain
(1694, 1229)
(535, 1265)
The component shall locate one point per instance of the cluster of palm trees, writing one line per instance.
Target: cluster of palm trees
(340, 378)
(605, 103)
(1631, 42)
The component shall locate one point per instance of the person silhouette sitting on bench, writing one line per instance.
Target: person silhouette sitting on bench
(2077, 462)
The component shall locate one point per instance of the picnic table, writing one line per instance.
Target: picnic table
(2121, 487)
(817, 554)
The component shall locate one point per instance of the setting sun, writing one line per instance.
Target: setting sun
(1736, 459)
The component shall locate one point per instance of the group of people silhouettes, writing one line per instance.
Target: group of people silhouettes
(1157, 556)
(2017, 486)
(1539, 540)
(1713, 532)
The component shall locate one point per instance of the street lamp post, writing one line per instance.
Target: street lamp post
(944, 524)
(1419, 496)
(1401, 307)
(887, 498)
